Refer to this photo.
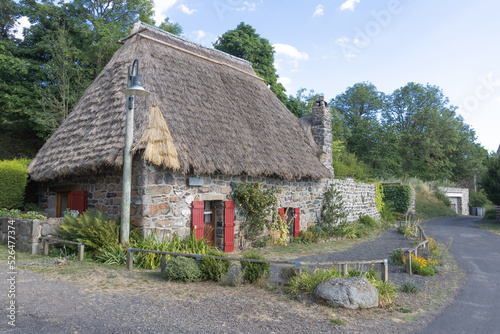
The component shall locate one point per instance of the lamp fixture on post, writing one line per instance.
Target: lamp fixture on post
(134, 88)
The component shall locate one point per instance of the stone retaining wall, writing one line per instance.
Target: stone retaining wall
(359, 198)
(27, 232)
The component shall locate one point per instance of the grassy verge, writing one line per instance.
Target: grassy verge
(493, 227)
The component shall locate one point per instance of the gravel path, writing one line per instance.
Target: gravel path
(378, 249)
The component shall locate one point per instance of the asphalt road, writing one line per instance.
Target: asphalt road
(477, 308)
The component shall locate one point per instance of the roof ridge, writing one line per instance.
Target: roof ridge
(132, 34)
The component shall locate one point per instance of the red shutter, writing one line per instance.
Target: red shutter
(197, 210)
(228, 226)
(78, 201)
(281, 212)
(296, 225)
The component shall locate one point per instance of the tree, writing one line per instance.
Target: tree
(301, 104)
(360, 107)
(245, 43)
(173, 28)
(491, 179)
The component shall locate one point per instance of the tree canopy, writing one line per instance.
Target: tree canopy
(245, 43)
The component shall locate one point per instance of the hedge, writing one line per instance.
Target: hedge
(13, 180)
(400, 195)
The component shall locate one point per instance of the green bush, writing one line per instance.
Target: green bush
(253, 271)
(399, 195)
(332, 210)
(349, 230)
(368, 221)
(214, 269)
(490, 214)
(478, 199)
(92, 228)
(379, 197)
(184, 269)
(440, 195)
(13, 181)
(410, 286)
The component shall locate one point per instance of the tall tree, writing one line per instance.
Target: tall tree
(173, 28)
(301, 103)
(491, 179)
(245, 43)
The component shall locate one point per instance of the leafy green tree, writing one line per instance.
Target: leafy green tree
(173, 28)
(491, 179)
(245, 43)
(301, 103)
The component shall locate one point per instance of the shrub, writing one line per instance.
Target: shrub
(399, 195)
(253, 271)
(184, 269)
(396, 257)
(332, 210)
(490, 214)
(410, 286)
(287, 273)
(379, 197)
(368, 221)
(92, 228)
(478, 198)
(13, 181)
(348, 230)
(422, 266)
(214, 269)
(440, 195)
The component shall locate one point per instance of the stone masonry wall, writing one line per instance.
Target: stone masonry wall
(27, 233)
(359, 198)
(463, 198)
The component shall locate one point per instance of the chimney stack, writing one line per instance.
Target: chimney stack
(322, 131)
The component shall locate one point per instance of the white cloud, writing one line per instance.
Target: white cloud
(320, 10)
(288, 58)
(199, 34)
(246, 5)
(290, 52)
(285, 81)
(186, 10)
(349, 5)
(161, 8)
(342, 40)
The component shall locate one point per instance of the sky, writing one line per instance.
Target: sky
(328, 46)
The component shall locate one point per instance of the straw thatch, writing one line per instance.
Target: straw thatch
(222, 118)
(160, 149)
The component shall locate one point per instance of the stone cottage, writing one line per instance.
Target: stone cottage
(210, 121)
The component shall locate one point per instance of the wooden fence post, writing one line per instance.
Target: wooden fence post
(163, 262)
(408, 262)
(344, 268)
(81, 250)
(385, 270)
(130, 259)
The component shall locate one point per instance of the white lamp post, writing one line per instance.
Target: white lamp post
(134, 88)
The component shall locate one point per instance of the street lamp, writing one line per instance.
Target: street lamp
(134, 88)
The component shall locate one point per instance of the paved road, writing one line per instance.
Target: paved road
(477, 308)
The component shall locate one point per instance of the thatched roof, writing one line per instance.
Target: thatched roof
(221, 116)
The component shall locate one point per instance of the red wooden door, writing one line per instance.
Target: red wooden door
(228, 226)
(197, 209)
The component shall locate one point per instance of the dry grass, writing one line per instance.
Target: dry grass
(492, 227)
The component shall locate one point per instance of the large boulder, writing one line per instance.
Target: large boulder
(348, 292)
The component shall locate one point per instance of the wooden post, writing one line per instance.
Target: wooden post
(81, 249)
(385, 270)
(130, 259)
(344, 268)
(45, 246)
(163, 262)
(408, 263)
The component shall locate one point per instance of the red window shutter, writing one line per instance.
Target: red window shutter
(296, 223)
(228, 226)
(281, 212)
(197, 210)
(78, 201)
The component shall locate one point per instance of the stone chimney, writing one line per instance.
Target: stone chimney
(322, 131)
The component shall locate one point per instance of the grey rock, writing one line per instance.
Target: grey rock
(348, 292)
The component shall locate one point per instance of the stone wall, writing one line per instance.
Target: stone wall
(359, 198)
(27, 233)
(462, 196)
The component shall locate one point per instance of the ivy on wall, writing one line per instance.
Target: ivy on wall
(400, 195)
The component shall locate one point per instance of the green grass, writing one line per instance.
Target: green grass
(492, 227)
(428, 206)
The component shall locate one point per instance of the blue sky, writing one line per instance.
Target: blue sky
(328, 46)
